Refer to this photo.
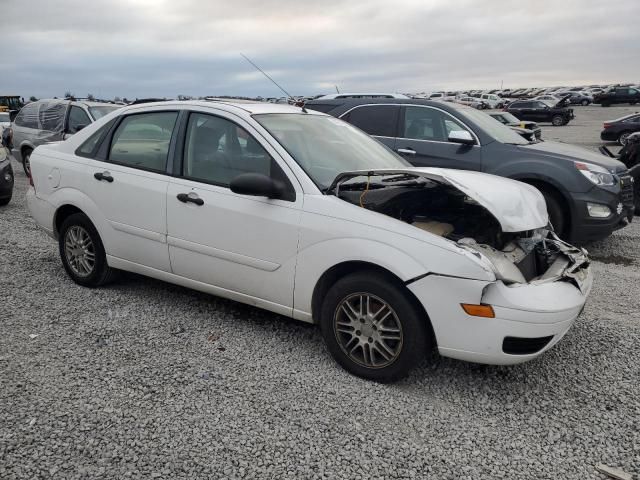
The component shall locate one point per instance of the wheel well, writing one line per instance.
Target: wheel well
(557, 194)
(341, 270)
(61, 214)
(25, 148)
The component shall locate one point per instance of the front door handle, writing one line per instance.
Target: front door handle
(186, 197)
(406, 151)
(106, 176)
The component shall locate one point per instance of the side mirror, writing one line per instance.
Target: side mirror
(256, 184)
(461, 136)
(78, 128)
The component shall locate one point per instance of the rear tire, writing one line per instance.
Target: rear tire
(384, 347)
(5, 201)
(557, 120)
(26, 161)
(622, 138)
(584, 103)
(82, 252)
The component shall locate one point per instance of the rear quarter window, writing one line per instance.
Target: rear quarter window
(28, 116)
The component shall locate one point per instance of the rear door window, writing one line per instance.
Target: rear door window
(142, 140)
(379, 120)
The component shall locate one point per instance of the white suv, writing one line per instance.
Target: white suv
(305, 215)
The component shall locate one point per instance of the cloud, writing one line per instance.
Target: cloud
(139, 48)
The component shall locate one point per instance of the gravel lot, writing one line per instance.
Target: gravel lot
(143, 379)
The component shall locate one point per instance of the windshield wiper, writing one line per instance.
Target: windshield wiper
(399, 178)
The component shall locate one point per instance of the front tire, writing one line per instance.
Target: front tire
(5, 201)
(557, 120)
(585, 103)
(26, 161)
(82, 252)
(373, 328)
(556, 214)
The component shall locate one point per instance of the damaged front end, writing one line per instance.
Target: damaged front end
(502, 222)
(536, 257)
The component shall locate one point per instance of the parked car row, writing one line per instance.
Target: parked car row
(603, 94)
(390, 260)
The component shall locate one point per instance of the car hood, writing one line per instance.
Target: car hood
(563, 102)
(518, 207)
(575, 153)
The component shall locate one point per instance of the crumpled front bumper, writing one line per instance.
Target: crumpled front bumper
(524, 311)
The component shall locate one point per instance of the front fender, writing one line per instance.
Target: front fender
(414, 259)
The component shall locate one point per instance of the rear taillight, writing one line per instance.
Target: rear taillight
(606, 125)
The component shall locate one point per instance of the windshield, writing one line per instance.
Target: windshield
(325, 146)
(4, 117)
(497, 130)
(101, 111)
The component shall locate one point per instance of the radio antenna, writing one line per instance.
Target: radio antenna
(266, 75)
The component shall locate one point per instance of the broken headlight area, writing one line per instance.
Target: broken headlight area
(532, 256)
(535, 257)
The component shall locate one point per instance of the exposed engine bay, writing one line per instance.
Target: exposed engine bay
(444, 210)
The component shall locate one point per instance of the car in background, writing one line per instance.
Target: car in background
(579, 98)
(388, 259)
(528, 130)
(547, 97)
(618, 95)
(53, 120)
(5, 121)
(540, 111)
(588, 195)
(472, 102)
(6, 176)
(494, 101)
(619, 130)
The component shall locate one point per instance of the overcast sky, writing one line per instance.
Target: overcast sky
(143, 48)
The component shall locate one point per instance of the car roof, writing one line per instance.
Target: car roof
(345, 96)
(375, 101)
(249, 107)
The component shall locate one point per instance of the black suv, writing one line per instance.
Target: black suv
(618, 95)
(588, 194)
(540, 111)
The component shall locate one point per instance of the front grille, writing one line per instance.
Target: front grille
(524, 346)
(626, 190)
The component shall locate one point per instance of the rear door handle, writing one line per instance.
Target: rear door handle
(406, 151)
(186, 197)
(106, 176)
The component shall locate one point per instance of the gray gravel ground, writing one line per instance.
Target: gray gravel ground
(143, 379)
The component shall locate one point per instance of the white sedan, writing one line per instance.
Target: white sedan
(304, 215)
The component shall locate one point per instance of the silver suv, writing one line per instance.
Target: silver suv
(47, 121)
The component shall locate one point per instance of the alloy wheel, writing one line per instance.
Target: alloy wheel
(79, 251)
(623, 138)
(368, 330)
(26, 164)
